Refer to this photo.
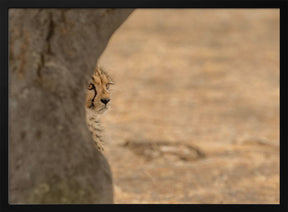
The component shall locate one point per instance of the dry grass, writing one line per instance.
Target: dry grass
(205, 78)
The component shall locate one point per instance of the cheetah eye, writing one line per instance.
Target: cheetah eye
(108, 85)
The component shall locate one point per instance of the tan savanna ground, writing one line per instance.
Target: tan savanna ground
(194, 113)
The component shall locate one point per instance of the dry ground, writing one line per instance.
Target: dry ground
(195, 110)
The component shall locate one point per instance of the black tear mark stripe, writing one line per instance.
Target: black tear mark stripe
(95, 93)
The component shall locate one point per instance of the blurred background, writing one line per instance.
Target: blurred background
(194, 113)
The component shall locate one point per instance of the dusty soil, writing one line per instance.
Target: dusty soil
(194, 113)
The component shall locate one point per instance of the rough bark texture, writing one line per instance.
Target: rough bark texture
(52, 53)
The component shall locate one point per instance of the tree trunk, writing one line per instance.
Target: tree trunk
(52, 53)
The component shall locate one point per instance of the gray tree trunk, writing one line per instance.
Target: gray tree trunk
(52, 53)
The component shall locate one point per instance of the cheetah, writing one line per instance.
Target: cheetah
(97, 99)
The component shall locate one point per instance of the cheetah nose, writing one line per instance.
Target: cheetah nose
(105, 101)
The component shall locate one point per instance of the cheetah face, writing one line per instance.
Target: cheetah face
(98, 95)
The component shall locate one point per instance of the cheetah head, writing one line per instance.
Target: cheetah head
(98, 95)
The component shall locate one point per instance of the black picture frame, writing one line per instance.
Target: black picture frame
(281, 4)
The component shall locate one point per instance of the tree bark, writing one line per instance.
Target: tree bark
(52, 53)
